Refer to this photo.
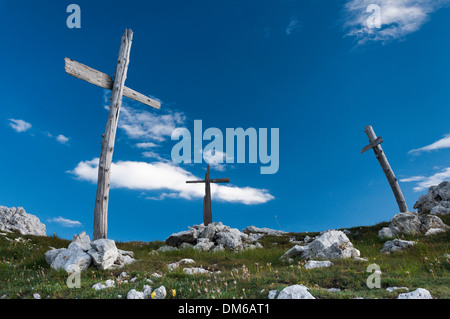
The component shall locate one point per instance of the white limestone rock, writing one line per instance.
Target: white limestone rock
(331, 244)
(134, 294)
(311, 264)
(295, 292)
(16, 219)
(71, 260)
(419, 293)
(104, 253)
(396, 245)
(437, 200)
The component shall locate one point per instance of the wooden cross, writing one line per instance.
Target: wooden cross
(207, 215)
(375, 145)
(119, 89)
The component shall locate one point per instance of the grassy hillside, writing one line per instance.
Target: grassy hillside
(246, 274)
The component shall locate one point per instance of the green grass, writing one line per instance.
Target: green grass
(245, 274)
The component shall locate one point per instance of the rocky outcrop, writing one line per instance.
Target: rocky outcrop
(331, 244)
(413, 223)
(16, 219)
(396, 245)
(213, 237)
(81, 253)
(436, 201)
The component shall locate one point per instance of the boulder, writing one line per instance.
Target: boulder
(413, 223)
(188, 236)
(331, 244)
(204, 244)
(82, 241)
(436, 201)
(195, 271)
(71, 260)
(396, 245)
(104, 253)
(419, 293)
(16, 219)
(295, 292)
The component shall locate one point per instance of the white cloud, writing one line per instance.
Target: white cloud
(62, 139)
(215, 160)
(146, 145)
(440, 144)
(65, 222)
(162, 176)
(398, 18)
(426, 182)
(19, 125)
(293, 26)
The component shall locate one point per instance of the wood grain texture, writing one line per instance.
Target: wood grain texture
(382, 159)
(107, 149)
(379, 140)
(88, 74)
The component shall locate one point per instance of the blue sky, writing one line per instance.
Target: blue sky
(313, 69)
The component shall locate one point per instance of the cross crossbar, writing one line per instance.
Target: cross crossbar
(88, 74)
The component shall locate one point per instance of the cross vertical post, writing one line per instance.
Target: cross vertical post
(107, 149)
(207, 214)
(382, 159)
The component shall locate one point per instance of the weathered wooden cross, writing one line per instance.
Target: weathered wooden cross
(207, 215)
(119, 89)
(375, 145)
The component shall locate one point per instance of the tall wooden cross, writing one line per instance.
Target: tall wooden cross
(119, 89)
(207, 215)
(375, 145)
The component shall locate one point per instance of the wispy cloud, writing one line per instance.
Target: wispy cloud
(294, 25)
(65, 222)
(398, 18)
(424, 182)
(19, 125)
(440, 144)
(168, 178)
(62, 139)
(146, 145)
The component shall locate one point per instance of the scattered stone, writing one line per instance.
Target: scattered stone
(156, 275)
(36, 296)
(331, 244)
(295, 292)
(334, 290)
(436, 201)
(318, 264)
(196, 271)
(273, 294)
(134, 294)
(419, 293)
(160, 293)
(396, 245)
(164, 249)
(108, 284)
(392, 289)
(177, 264)
(16, 219)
